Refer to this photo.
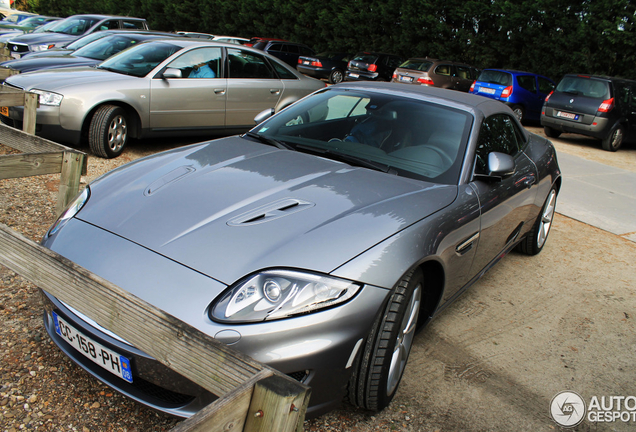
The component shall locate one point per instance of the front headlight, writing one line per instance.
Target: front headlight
(72, 209)
(275, 294)
(48, 98)
(41, 47)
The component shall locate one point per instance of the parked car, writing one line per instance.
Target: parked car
(314, 254)
(372, 66)
(438, 73)
(91, 54)
(149, 90)
(597, 106)
(15, 18)
(524, 92)
(70, 29)
(231, 39)
(256, 39)
(326, 65)
(6, 37)
(26, 25)
(286, 51)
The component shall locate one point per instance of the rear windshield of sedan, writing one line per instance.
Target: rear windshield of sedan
(416, 64)
(495, 77)
(366, 58)
(401, 135)
(140, 59)
(584, 86)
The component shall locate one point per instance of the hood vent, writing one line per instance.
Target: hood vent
(270, 212)
(172, 176)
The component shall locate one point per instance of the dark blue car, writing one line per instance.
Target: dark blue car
(524, 92)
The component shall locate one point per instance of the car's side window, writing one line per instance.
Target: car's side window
(498, 133)
(109, 25)
(462, 72)
(199, 63)
(545, 86)
(527, 82)
(443, 70)
(283, 73)
(245, 64)
(129, 24)
(276, 47)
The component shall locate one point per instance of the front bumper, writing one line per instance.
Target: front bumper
(47, 124)
(318, 349)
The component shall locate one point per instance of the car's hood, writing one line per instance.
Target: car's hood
(41, 38)
(58, 79)
(233, 206)
(31, 64)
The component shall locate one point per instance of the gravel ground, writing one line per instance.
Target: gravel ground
(41, 389)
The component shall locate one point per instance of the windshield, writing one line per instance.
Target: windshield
(495, 77)
(74, 26)
(46, 27)
(366, 58)
(85, 40)
(417, 64)
(31, 21)
(140, 59)
(406, 136)
(585, 87)
(103, 48)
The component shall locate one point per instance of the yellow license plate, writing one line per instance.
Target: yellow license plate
(4, 111)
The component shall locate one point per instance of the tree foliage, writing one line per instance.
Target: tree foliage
(551, 37)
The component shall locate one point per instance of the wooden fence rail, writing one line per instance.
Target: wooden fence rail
(39, 156)
(252, 396)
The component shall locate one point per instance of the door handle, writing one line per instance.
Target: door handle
(219, 91)
(274, 91)
(530, 180)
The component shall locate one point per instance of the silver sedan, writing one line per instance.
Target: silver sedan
(168, 87)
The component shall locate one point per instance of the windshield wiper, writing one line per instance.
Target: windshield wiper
(347, 158)
(269, 141)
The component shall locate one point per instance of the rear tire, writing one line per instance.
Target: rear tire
(108, 131)
(519, 112)
(614, 140)
(536, 238)
(336, 76)
(381, 363)
(551, 133)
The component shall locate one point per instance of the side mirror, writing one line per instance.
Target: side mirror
(172, 73)
(263, 115)
(500, 165)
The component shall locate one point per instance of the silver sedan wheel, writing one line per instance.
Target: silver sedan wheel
(117, 132)
(404, 340)
(546, 219)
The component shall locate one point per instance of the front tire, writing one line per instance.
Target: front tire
(108, 131)
(534, 242)
(614, 140)
(380, 366)
(336, 76)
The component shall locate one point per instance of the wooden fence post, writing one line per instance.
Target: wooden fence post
(72, 166)
(31, 102)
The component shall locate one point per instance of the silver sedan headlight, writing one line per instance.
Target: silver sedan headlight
(48, 98)
(275, 294)
(41, 47)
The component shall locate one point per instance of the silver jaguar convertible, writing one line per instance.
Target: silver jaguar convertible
(319, 242)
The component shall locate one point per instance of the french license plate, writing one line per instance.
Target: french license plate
(97, 353)
(352, 75)
(4, 111)
(567, 115)
(406, 79)
(15, 55)
(487, 90)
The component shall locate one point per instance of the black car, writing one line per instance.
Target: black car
(597, 106)
(286, 51)
(325, 65)
(70, 29)
(372, 66)
(91, 54)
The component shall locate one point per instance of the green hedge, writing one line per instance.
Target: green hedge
(551, 37)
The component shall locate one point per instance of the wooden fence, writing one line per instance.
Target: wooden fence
(39, 156)
(5, 55)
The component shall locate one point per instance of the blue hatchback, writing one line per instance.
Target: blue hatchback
(524, 92)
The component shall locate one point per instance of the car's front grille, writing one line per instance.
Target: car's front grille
(18, 48)
(299, 376)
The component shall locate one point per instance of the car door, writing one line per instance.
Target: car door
(189, 102)
(463, 79)
(533, 98)
(505, 204)
(252, 87)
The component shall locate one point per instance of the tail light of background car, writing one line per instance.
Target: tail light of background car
(395, 75)
(506, 92)
(472, 87)
(548, 96)
(372, 68)
(607, 105)
(425, 81)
